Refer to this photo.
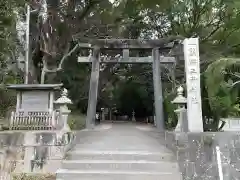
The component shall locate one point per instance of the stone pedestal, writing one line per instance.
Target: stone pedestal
(182, 120)
(64, 112)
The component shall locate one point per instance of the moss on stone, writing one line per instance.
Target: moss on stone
(41, 176)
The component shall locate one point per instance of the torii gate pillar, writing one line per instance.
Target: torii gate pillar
(158, 95)
(93, 89)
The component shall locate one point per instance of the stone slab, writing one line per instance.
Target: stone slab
(106, 175)
(121, 165)
(120, 155)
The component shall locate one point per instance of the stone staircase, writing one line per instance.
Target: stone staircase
(100, 157)
(118, 165)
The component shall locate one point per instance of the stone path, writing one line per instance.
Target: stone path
(120, 151)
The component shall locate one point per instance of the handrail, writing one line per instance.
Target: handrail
(219, 163)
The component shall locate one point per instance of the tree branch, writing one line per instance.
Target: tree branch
(87, 8)
(217, 27)
(234, 74)
(62, 61)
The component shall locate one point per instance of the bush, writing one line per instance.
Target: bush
(76, 121)
(169, 115)
(222, 98)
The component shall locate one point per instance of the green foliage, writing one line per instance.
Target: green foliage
(7, 100)
(169, 114)
(75, 77)
(223, 99)
(76, 121)
(133, 96)
(206, 109)
(8, 28)
(7, 49)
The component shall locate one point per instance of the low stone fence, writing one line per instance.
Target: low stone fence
(196, 154)
(34, 120)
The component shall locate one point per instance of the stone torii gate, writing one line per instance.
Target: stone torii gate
(126, 45)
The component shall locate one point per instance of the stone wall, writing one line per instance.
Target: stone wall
(196, 153)
(47, 151)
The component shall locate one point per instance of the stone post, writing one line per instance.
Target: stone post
(29, 144)
(62, 103)
(181, 101)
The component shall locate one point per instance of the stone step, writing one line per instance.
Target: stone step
(115, 175)
(119, 155)
(126, 165)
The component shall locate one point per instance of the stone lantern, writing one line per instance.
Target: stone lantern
(181, 111)
(133, 116)
(103, 114)
(62, 104)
